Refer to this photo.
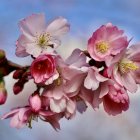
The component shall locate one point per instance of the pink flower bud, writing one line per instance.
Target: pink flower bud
(35, 103)
(3, 93)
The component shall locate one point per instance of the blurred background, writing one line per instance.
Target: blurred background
(85, 16)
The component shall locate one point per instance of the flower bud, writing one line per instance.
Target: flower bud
(35, 102)
(3, 93)
(18, 74)
(18, 87)
(2, 54)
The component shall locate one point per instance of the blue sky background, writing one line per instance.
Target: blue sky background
(85, 16)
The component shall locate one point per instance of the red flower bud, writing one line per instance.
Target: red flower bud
(18, 74)
(18, 87)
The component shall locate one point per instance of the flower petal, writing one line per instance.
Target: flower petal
(58, 27)
(20, 46)
(90, 81)
(77, 58)
(71, 106)
(58, 105)
(129, 83)
(10, 114)
(33, 24)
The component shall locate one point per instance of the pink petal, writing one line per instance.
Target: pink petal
(69, 73)
(57, 92)
(34, 50)
(73, 85)
(90, 81)
(113, 108)
(53, 120)
(10, 114)
(33, 24)
(71, 106)
(100, 78)
(23, 115)
(129, 83)
(77, 58)
(45, 113)
(87, 95)
(16, 123)
(104, 89)
(58, 105)
(58, 27)
(117, 75)
(134, 53)
(20, 46)
(96, 100)
(118, 45)
(136, 76)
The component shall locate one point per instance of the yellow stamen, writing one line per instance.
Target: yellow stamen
(102, 47)
(43, 39)
(58, 81)
(127, 66)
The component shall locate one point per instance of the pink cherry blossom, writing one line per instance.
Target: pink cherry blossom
(64, 104)
(37, 37)
(125, 68)
(113, 96)
(24, 115)
(116, 101)
(106, 42)
(63, 91)
(74, 74)
(42, 68)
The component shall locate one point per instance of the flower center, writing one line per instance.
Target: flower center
(126, 66)
(59, 80)
(102, 47)
(43, 40)
(39, 66)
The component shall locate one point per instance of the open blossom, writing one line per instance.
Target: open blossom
(43, 68)
(61, 104)
(125, 68)
(74, 74)
(106, 42)
(66, 87)
(37, 37)
(25, 115)
(113, 96)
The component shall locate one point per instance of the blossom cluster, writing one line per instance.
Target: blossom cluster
(103, 74)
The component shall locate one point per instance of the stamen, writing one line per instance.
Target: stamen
(58, 81)
(127, 66)
(102, 47)
(43, 40)
(30, 122)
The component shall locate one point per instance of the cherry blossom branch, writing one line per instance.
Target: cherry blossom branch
(106, 72)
